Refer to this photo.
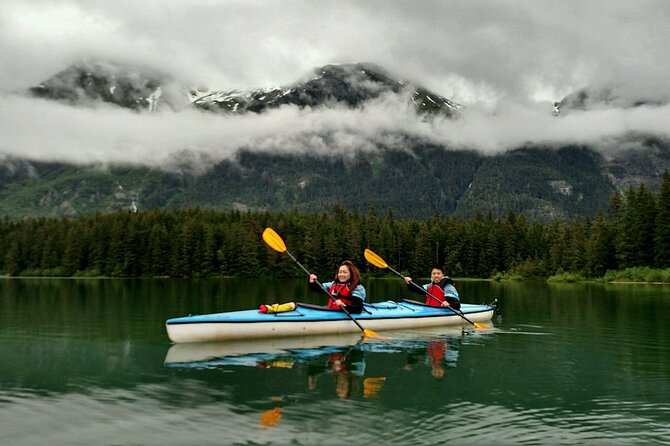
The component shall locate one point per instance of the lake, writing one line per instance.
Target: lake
(87, 361)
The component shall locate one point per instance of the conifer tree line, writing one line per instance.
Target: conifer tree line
(634, 231)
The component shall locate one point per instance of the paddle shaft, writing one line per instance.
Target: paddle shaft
(326, 291)
(458, 312)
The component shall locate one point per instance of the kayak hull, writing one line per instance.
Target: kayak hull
(308, 320)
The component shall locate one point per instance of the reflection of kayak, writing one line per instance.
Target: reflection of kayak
(308, 320)
(277, 352)
(205, 351)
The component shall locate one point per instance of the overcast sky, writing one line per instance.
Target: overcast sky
(504, 60)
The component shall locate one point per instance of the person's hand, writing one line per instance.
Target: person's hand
(312, 278)
(408, 280)
(445, 304)
(339, 302)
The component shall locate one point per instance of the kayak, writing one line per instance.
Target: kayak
(307, 320)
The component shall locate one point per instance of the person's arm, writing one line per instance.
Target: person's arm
(451, 297)
(410, 287)
(450, 291)
(359, 293)
(356, 297)
(314, 285)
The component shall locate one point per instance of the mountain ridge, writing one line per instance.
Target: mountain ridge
(352, 85)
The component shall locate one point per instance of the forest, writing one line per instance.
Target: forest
(633, 232)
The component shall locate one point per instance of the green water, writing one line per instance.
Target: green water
(88, 362)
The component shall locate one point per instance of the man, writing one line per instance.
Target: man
(440, 292)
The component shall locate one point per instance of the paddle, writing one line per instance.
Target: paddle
(274, 241)
(380, 263)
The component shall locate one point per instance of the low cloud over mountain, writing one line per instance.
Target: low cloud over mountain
(116, 113)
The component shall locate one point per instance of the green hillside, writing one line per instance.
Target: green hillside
(423, 179)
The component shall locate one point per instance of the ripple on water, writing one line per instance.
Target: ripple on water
(123, 417)
(472, 423)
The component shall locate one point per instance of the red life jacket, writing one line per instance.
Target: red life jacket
(436, 291)
(339, 291)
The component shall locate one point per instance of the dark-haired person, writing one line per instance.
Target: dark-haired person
(441, 287)
(346, 288)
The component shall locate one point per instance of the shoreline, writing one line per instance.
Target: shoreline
(456, 279)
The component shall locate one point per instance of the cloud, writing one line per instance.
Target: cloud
(472, 51)
(519, 124)
(50, 131)
(505, 60)
(44, 130)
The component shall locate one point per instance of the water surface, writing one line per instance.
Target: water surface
(88, 362)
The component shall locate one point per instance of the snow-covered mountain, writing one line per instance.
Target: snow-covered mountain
(142, 89)
(348, 84)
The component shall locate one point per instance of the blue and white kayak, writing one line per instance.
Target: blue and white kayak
(306, 320)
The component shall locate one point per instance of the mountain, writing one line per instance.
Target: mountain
(413, 177)
(93, 82)
(352, 85)
(348, 84)
(607, 97)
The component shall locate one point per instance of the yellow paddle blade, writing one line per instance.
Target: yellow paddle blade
(374, 259)
(273, 240)
(480, 325)
(373, 334)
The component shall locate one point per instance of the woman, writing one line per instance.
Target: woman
(346, 290)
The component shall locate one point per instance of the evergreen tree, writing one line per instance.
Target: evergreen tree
(558, 236)
(248, 263)
(576, 236)
(599, 247)
(74, 258)
(14, 258)
(158, 250)
(100, 235)
(646, 225)
(208, 262)
(627, 237)
(423, 256)
(662, 233)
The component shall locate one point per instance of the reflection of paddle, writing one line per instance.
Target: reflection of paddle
(270, 418)
(274, 241)
(380, 263)
(372, 386)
